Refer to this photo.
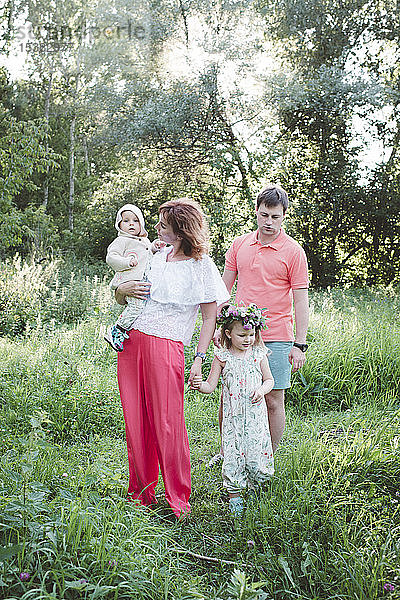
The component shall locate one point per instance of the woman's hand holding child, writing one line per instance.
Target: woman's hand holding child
(204, 387)
(136, 289)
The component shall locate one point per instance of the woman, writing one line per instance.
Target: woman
(151, 367)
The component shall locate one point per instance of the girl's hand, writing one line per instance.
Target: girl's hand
(257, 396)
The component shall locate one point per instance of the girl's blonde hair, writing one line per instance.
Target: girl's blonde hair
(189, 223)
(226, 342)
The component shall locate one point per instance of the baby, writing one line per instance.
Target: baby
(129, 255)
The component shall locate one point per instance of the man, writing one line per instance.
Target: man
(271, 271)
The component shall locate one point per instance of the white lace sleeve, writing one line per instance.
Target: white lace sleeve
(177, 290)
(189, 282)
(213, 286)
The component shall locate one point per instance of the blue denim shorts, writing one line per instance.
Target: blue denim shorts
(279, 363)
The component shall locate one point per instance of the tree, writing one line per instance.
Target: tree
(23, 151)
(334, 209)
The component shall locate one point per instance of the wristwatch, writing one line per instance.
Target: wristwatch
(302, 347)
(201, 355)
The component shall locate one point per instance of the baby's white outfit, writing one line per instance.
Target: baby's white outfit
(248, 457)
(119, 254)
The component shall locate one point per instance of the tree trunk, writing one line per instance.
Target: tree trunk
(72, 145)
(10, 20)
(46, 115)
(86, 155)
(71, 173)
(183, 14)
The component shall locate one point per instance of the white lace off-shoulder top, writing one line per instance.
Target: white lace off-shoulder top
(177, 290)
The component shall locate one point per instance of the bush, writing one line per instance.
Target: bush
(51, 293)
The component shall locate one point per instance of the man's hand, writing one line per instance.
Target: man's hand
(217, 337)
(297, 358)
(136, 289)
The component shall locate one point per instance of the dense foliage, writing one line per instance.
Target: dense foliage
(208, 99)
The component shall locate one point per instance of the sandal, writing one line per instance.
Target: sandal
(236, 506)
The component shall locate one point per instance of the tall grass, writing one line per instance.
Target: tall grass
(53, 293)
(327, 527)
(353, 352)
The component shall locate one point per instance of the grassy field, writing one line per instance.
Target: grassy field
(326, 528)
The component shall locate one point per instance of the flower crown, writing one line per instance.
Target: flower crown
(251, 316)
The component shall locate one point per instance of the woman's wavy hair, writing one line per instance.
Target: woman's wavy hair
(188, 221)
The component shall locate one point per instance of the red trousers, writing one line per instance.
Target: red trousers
(151, 385)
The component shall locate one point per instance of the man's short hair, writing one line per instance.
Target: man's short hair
(273, 195)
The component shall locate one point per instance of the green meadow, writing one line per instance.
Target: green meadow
(326, 527)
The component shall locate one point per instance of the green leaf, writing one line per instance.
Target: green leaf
(285, 566)
(8, 551)
(14, 476)
(80, 584)
(26, 468)
(52, 536)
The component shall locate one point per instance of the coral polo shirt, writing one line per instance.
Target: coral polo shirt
(266, 276)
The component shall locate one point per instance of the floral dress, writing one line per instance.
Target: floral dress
(248, 458)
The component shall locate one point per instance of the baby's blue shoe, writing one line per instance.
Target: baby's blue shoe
(116, 336)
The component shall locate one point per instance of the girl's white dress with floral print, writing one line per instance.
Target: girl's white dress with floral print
(248, 458)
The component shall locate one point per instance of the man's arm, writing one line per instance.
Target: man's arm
(228, 277)
(301, 315)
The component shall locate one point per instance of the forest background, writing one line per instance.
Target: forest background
(146, 101)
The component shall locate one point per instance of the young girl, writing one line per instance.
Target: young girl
(246, 377)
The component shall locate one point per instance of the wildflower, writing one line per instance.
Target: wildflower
(24, 576)
(65, 474)
(82, 581)
(251, 544)
(112, 563)
(388, 587)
